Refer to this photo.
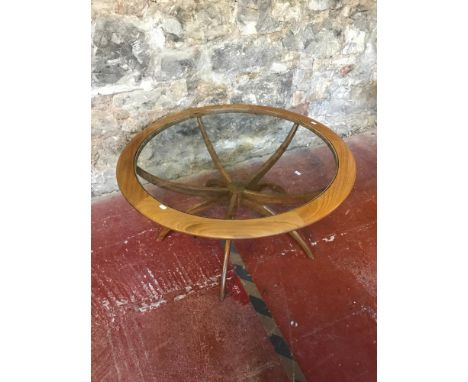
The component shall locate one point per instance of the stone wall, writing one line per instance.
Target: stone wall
(152, 57)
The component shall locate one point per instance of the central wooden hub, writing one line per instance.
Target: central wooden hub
(236, 187)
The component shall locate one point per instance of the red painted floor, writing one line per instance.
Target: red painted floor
(156, 314)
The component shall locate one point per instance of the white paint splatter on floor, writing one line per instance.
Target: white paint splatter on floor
(329, 239)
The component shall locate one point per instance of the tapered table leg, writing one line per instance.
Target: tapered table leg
(299, 240)
(232, 208)
(227, 252)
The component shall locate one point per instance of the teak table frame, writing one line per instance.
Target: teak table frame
(250, 194)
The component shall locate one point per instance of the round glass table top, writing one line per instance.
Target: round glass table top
(235, 171)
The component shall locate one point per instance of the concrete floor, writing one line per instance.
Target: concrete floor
(156, 314)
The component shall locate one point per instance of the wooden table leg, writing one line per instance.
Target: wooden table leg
(233, 205)
(227, 253)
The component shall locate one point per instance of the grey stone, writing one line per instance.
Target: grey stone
(255, 16)
(137, 101)
(175, 67)
(292, 42)
(173, 28)
(266, 23)
(325, 43)
(272, 89)
(247, 12)
(321, 5)
(206, 21)
(210, 93)
(227, 58)
(112, 7)
(237, 57)
(355, 41)
(120, 50)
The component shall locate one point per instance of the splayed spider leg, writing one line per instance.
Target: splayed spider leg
(212, 152)
(299, 240)
(266, 211)
(180, 187)
(227, 253)
(273, 158)
(233, 203)
(280, 198)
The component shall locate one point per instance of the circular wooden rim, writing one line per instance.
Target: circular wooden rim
(299, 217)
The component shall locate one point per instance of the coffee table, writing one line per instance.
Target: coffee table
(219, 189)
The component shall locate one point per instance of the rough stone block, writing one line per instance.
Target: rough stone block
(321, 5)
(120, 50)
